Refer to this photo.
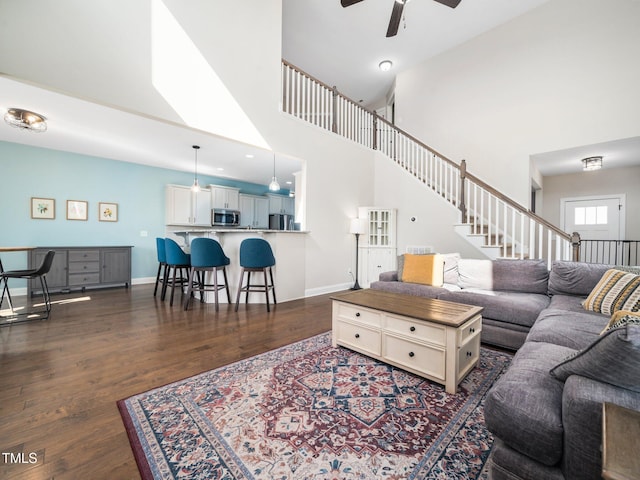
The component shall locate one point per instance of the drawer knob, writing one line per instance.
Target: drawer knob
(469, 354)
(357, 335)
(472, 330)
(411, 354)
(357, 314)
(413, 329)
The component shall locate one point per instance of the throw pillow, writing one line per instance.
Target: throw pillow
(620, 319)
(613, 358)
(423, 269)
(616, 290)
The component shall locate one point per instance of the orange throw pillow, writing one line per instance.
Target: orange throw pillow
(423, 269)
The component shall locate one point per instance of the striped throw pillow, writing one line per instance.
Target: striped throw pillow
(620, 319)
(616, 290)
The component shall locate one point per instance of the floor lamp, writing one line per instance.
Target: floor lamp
(357, 227)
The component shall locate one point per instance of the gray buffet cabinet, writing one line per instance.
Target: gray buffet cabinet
(81, 268)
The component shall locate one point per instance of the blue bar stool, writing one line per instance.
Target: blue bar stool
(256, 256)
(162, 265)
(177, 261)
(207, 256)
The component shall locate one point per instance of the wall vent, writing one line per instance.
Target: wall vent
(419, 249)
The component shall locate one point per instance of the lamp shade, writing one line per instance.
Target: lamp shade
(357, 226)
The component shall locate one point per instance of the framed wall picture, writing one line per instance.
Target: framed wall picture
(77, 209)
(43, 208)
(108, 212)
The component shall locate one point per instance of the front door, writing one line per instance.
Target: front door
(596, 218)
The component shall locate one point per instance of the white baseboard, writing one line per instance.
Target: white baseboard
(312, 292)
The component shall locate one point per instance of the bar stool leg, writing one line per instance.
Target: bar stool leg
(273, 286)
(239, 288)
(266, 288)
(226, 284)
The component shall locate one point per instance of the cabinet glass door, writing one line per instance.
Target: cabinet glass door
(379, 227)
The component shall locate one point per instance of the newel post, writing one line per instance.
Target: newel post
(375, 130)
(463, 176)
(334, 122)
(575, 243)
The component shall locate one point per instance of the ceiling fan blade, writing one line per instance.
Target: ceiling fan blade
(348, 3)
(394, 21)
(449, 3)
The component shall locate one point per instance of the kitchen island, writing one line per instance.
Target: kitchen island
(288, 248)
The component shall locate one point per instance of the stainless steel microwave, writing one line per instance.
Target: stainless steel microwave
(225, 218)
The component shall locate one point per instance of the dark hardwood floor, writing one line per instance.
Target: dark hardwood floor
(60, 379)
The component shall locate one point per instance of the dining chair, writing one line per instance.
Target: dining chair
(31, 274)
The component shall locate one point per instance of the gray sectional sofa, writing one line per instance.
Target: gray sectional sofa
(545, 412)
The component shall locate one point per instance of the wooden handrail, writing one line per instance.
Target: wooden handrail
(464, 174)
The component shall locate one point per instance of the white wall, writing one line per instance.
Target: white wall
(101, 51)
(563, 75)
(395, 188)
(601, 182)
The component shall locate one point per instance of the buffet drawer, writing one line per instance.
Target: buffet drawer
(426, 359)
(84, 255)
(79, 279)
(84, 267)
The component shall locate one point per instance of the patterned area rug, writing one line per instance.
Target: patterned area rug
(311, 411)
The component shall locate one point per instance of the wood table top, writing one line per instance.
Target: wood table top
(428, 309)
(16, 249)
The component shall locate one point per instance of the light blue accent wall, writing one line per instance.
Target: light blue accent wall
(138, 190)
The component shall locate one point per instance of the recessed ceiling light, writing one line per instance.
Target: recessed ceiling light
(249, 155)
(385, 65)
(220, 169)
(289, 183)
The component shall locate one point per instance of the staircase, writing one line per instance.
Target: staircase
(489, 220)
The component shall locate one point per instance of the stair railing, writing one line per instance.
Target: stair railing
(507, 225)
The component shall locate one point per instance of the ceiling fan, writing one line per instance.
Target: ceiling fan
(396, 13)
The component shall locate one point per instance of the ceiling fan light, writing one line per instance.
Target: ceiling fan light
(26, 120)
(591, 163)
(385, 65)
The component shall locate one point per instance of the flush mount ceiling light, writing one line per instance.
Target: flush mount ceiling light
(26, 120)
(196, 186)
(274, 186)
(385, 65)
(591, 163)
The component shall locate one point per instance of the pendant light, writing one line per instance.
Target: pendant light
(196, 186)
(274, 186)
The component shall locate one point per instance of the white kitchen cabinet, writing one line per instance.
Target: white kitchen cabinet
(225, 197)
(281, 204)
(185, 207)
(377, 250)
(254, 211)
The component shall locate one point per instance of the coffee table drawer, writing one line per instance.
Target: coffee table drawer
(467, 356)
(469, 329)
(424, 331)
(359, 314)
(426, 359)
(358, 337)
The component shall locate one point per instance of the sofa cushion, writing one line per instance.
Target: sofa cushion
(570, 303)
(575, 278)
(616, 290)
(474, 273)
(524, 407)
(575, 330)
(414, 289)
(527, 276)
(423, 269)
(612, 358)
(512, 307)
